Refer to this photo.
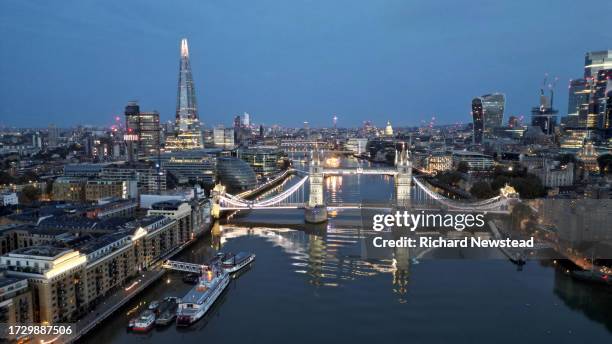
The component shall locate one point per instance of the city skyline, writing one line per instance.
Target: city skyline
(392, 67)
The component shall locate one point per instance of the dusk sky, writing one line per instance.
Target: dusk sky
(285, 62)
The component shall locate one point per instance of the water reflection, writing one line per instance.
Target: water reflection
(594, 301)
(329, 259)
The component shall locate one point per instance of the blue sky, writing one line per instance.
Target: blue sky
(285, 62)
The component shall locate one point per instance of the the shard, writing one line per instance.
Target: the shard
(188, 132)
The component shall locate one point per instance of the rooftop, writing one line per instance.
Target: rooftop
(5, 280)
(171, 204)
(41, 251)
(92, 244)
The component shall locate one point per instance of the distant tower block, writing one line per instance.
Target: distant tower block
(403, 179)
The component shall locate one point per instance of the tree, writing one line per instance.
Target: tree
(483, 190)
(499, 182)
(28, 177)
(171, 181)
(463, 167)
(520, 214)
(528, 186)
(565, 159)
(6, 178)
(29, 194)
(605, 163)
(450, 178)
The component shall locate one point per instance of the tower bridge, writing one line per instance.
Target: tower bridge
(406, 185)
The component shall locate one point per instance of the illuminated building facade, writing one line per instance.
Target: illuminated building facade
(264, 160)
(145, 125)
(578, 102)
(198, 167)
(67, 282)
(603, 90)
(223, 138)
(439, 162)
(594, 61)
(389, 130)
(15, 301)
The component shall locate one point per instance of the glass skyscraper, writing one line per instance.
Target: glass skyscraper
(594, 61)
(188, 132)
(493, 109)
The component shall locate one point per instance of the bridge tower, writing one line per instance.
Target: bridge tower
(403, 179)
(315, 211)
(217, 192)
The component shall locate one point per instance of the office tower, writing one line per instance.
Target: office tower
(36, 140)
(237, 128)
(478, 120)
(53, 136)
(145, 125)
(606, 120)
(544, 116)
(601, 91)
(188, 132)
(223, 137)
(578, 103)
(513, 122)
(594, 61)
(578, 96)
(493, 109)
(246, 120)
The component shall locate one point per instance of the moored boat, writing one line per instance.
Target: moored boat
(145, 321)
(234, 262)
(198, 300)
(167, 311)
(153, 305)
(592, 276)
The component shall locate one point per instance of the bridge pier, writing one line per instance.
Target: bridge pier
(317, 214)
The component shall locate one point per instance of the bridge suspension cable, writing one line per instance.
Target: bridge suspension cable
(235, 201)
(488, 204)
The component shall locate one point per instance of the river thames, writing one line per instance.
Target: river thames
(315, 284)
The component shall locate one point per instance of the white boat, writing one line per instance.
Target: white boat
(154, 305)
(144, 322)
(234, 262)
(198, 300)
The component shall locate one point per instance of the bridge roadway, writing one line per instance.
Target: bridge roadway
(367, 206)
(359, 170)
